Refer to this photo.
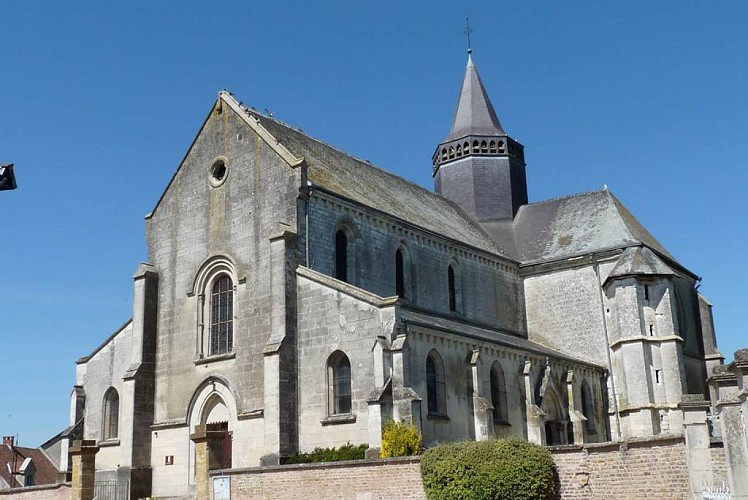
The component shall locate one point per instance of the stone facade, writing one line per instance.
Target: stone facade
(296, 297)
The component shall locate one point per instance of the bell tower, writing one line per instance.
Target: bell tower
(478, 166)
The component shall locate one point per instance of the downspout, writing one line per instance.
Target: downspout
(306, 222)
(607, 351)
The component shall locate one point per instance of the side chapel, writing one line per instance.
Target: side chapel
(296, 297)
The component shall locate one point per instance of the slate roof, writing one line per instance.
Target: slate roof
(510, 339)
(639, 261)
(543, 231)
(474, 114)
(362, 182)
(571, 225)
(46, 473)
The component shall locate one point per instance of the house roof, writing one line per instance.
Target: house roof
(572, 225)
(46, 472)
(544, 231)
(364, 183)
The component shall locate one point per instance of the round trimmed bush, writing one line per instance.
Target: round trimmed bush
(488, 470)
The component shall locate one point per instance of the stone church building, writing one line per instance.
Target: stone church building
(298, 297)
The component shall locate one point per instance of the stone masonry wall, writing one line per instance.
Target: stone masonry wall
(719, 465)
(642, 469)
(565, 312)
(488, 290)
(636, 469)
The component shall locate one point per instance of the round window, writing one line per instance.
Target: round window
(219, 170)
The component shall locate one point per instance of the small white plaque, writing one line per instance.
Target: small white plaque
(222, 488)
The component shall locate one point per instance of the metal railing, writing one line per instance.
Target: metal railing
(716, 493)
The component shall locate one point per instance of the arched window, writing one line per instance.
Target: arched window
(435, 388)
(341, 256)
(588, 406)
(399, 274)
(452, 288)
(214, 287)
(339, 384)
(498, 394)
(222, 315)
(111, 415)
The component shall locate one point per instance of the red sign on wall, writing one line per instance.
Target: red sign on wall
(169, 460)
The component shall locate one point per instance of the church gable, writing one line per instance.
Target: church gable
(223, 205)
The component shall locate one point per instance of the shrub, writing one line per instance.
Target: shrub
(488, 470)
(345, 452)
(400, 440)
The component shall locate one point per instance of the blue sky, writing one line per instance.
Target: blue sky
(99, 101)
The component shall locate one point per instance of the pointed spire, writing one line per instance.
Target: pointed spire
(478, 166)
(474, 114)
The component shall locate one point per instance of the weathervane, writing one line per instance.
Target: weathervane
(467, 31)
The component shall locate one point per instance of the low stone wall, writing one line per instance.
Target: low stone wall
(45, 492)
(392, 478)
(636, 469)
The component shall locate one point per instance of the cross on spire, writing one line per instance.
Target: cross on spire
(467, 31)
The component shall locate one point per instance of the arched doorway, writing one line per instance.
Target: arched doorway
(215, 415)
(554, 419)
(213, 405)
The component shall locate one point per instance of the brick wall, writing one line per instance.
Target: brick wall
(655, 468)
(637, 469)
(45, 492)
(719, 465)
(377, 479)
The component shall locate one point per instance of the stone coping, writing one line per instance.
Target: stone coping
(589, 447)
(347, 288)
(39, 487)
(623, 445)
(320, 465)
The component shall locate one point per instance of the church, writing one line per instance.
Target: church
(298, 297)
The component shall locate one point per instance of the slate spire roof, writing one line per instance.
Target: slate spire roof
(474, 114)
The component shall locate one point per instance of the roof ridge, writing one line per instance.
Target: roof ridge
(564, 197)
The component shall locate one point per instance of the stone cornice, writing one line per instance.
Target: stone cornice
(651, 340)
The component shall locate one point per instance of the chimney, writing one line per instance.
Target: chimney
(8, 441)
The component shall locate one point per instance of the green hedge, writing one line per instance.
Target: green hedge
(345, 452)
(488, 470)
